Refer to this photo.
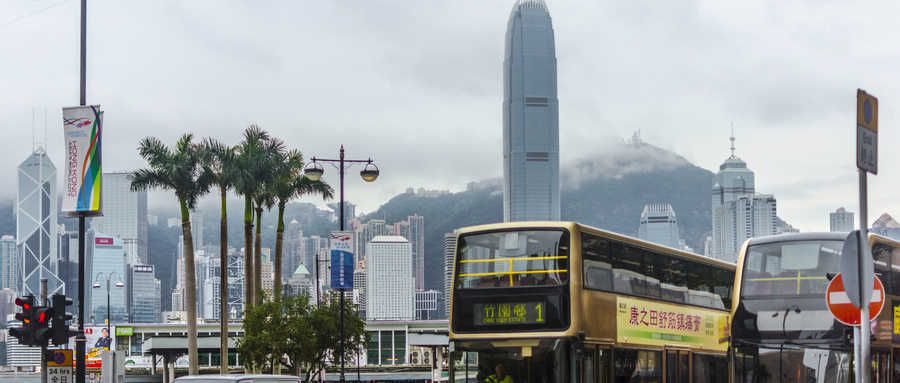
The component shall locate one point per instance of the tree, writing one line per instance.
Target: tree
(249, 169)
(294, 334)
(289, 184)
(220, 159)
(180, 170)
(270, 156)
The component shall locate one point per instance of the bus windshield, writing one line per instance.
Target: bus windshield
(513, 259)
(790, 268)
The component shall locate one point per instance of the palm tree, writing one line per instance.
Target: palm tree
(289, 184)
(219, 158)
(178, 169)
(248, 166)
(271, 155)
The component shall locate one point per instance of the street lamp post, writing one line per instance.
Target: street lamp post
(369, 173)
(119, 284)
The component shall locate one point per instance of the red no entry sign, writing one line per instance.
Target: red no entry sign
(845, 312)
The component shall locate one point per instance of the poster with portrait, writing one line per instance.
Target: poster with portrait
(98, 340)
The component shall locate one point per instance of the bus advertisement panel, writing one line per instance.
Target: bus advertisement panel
(660, 324)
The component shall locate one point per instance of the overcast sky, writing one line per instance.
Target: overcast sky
(417, 86)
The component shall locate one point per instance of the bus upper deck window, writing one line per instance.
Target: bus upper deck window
(801, 256)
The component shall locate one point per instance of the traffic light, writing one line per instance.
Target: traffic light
(23, 334)
(40, 325)
(61, 331)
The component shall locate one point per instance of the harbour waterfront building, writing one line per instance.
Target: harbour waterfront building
(530, 116)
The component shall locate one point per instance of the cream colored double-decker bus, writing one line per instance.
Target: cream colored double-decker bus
(564, 302)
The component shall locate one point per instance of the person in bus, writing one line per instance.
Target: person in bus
(499, 375)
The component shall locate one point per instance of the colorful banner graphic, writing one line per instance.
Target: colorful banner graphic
(659, 324)
(83, 128)
(342, 249)
(98, 340)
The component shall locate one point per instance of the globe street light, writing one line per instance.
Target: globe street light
(100, 276)
(314, 171)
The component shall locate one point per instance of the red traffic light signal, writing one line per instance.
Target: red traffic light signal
(26, 302)
(41, 316)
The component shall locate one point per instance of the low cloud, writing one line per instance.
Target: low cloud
(619, 160)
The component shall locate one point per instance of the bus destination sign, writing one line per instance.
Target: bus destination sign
(510, 313)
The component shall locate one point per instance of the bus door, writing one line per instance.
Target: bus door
(881, 366)
(595, 365)
(677, 365)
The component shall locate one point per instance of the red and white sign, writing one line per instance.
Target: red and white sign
(844, 311)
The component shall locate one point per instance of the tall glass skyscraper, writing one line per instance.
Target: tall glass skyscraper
(36, 225)
(530, 116)
(124, 215)
(659, 225)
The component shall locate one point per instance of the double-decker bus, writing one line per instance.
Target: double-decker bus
(782, 330)
(564, 302)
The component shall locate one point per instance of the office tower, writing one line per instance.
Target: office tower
(8, 305)
(658, 225)
(36, 225)
(197, 228)
(291, 254)
(389, 282)
(449, 256)
(105, 259)
(427, 304)
(143, 294)
(841, 220)
(349, 212)
(67, 268)
(365, 233)
(737, 212)
(359, 284)
(413, 229)
(300, 281)
(8, 263)
(124, 215)
(530, 116)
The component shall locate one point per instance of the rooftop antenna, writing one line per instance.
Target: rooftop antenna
(732, 140)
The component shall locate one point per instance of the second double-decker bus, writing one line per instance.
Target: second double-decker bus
(782, 330)
(564, 302)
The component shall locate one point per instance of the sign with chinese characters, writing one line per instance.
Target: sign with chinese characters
(342, 249)
(83, 128)
(655, 323)
(510, 313)
(59, 366)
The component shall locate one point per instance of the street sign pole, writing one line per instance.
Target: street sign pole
(865, 353)
(866, 161)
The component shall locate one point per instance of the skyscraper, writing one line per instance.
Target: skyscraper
(658, 225)
(124, 215)
(413, 229)
(738, 213)
(8, 262)
(106, 261)
(36, 225)
(389, 282)
(530, 116)
(841, 220)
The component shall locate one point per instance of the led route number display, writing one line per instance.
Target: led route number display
(510, 313)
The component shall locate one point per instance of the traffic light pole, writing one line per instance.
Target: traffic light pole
(43, 302)
(80, 340)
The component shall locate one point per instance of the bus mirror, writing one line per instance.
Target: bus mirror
(578, 351)
(830, 276)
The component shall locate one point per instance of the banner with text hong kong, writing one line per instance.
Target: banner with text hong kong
(656, 323)
(83, 128)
